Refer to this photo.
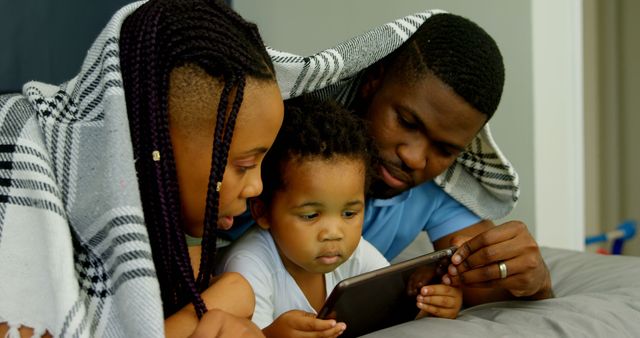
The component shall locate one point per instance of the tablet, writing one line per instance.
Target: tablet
(386, 296)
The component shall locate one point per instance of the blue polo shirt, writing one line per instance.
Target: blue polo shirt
(392, 224)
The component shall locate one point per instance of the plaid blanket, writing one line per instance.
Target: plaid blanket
(481, 178)
(74, 250)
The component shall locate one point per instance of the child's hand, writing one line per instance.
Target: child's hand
(296, 323)
(439, 300)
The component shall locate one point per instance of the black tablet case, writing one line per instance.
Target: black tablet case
(381, 298)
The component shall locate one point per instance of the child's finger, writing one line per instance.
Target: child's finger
(332, 332)
(422, 314)
(439, 301)
(310, 323)
(438, 289)
(429, 309)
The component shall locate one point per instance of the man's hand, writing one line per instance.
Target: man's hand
(297, 323)
(476, 263)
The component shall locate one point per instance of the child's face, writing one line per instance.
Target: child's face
(316, 218)
(257, 124)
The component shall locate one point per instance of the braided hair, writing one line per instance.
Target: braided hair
(330, 131)
(158, 37)
(458, 52)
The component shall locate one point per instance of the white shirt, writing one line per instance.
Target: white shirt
(256, 258)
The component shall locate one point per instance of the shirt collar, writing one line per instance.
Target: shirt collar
(378, 202)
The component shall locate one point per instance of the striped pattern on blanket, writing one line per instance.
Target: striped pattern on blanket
(74, 250)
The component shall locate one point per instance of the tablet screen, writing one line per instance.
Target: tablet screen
(384, 297)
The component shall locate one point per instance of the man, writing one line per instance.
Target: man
(427, 96)
(425, 103)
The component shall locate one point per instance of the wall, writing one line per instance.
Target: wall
(619, 83)
(630, 117)
(306, 27)
(619, 114)
(609, 165)
(558, 103)
(47, 40)
(592, 127)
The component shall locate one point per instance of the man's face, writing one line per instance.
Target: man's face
(419, 128)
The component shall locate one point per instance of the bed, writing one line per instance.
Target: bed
(596, 296)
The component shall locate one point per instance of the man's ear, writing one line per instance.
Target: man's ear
(373, 78)
(259, 213)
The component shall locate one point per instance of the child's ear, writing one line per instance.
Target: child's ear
(259, 213)
(372, 80)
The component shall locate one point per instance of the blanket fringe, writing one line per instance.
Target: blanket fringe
(38, 332)
(14, 331)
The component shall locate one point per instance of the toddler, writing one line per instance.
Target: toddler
(310, 217)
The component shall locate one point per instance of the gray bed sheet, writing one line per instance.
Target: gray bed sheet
(596, 296)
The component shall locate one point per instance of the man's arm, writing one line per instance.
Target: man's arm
(481, 248)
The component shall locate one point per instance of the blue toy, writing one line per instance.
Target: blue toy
(626, 230)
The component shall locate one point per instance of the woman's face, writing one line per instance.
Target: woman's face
(259, 119)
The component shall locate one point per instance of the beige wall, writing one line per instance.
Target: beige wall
(618, 79)
(630, 114)
(593, 201)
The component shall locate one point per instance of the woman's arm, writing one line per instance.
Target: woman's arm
(220, 324)
(230, 293)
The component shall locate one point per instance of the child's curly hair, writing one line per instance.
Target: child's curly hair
(313, 128)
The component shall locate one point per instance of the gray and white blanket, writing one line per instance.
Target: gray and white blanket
(74, 250)
(481, 178)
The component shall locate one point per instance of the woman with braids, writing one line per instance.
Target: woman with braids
(210, 63)
(159, 138)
